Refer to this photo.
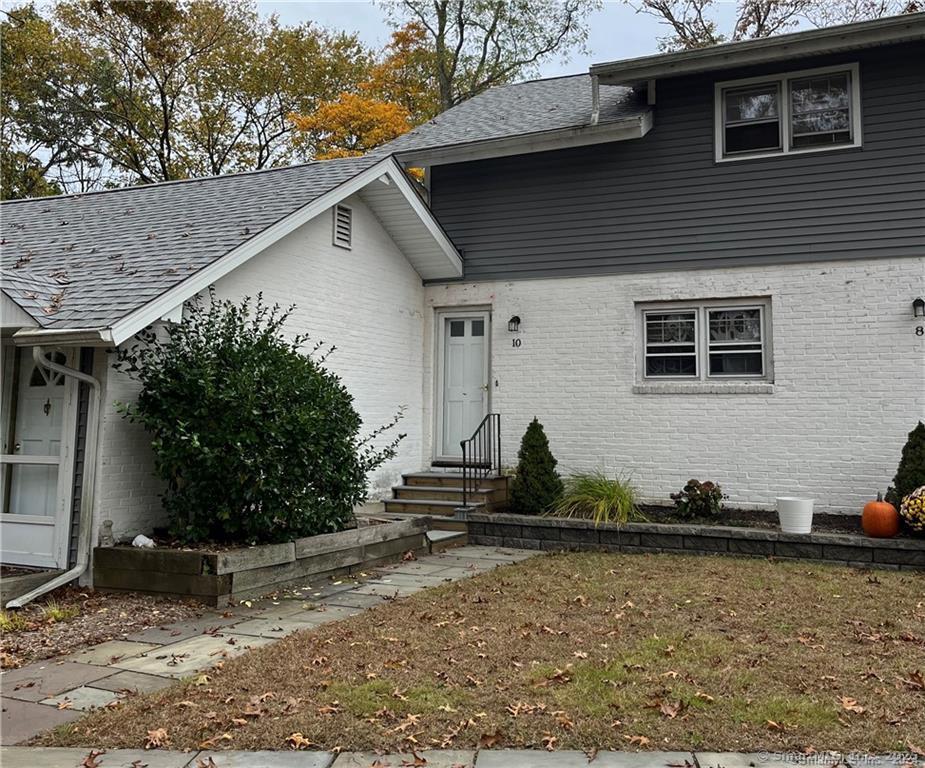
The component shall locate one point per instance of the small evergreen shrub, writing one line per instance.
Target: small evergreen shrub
(537, 485)
(699, 500)
(257, 441)
(595, 496)
(911, 472)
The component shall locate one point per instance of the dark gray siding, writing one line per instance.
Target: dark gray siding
(662, 202)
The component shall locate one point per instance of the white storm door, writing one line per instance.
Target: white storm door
(35, 515)
(465, 349)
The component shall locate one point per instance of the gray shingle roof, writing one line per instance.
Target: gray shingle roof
(520, 109)
(86, 261)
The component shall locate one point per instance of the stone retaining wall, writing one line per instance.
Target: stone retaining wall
(524, 532)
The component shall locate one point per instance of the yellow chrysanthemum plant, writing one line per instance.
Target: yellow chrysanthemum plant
(912, 509)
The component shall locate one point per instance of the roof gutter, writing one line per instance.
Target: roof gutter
(896, 29)
(85, 524)
(66, 337)
(634, 127)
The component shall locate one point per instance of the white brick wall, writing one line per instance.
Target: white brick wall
(368, 301)
(127, 492)
(849, 379)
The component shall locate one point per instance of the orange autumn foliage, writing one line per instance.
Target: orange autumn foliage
(398, 93)
(352, 125)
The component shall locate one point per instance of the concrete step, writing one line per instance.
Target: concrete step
(450, 480)
(433, 479)
(440, 541)
(424, 506)
(440, 493)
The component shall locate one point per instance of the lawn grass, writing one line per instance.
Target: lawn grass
(576, 651)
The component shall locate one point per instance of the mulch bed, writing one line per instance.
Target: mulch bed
(92, 617)
(574, 651)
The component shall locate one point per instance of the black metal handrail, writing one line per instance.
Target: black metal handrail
(481, 455)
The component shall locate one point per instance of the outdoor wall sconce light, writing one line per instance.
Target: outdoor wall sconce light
(513, 325)
(918, 307)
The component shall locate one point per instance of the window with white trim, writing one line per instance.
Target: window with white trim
(705, 340)
(343, 226)
(803, 111)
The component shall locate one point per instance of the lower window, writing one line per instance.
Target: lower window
(709, 340)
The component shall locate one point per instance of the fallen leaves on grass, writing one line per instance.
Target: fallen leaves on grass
(741, 675)
(298, 741)
(704, 697)
(215, 740)
(670, 709)
(851, 705)
(490, 740)
(405, 724)
(157, 738)
(558, 677)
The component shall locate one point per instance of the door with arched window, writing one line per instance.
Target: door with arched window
(38, 418)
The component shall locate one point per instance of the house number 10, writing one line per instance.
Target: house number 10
(516, 343)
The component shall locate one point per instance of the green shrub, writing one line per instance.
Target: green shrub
(911, 472)
(256, 440)
(537, 485)
(698, 499)
(595, 496)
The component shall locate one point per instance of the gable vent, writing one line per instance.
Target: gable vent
(343, 226)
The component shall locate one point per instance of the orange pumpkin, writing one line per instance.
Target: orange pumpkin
(880, 520)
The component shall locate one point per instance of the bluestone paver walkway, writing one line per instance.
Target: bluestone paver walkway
(49, 693)
(25, 757)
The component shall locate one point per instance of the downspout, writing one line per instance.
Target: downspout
(85, 523)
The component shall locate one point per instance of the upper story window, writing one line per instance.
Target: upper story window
(805, 111)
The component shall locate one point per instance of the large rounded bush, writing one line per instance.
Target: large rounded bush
(256, 440)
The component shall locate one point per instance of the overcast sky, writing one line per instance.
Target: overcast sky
(617, 31)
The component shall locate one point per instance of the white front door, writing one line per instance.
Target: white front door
(35, 472)
(463, 388)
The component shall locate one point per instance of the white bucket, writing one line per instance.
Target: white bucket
(795, 515)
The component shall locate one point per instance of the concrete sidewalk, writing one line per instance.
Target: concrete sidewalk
(52, 692)
(24, 757)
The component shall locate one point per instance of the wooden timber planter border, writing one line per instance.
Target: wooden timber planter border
(556, 534)
(218, 578)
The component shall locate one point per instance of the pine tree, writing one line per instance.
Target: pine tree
(911, 472)
(537, 484)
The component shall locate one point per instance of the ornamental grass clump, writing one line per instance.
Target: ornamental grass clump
(255, 439)
(598, 497)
